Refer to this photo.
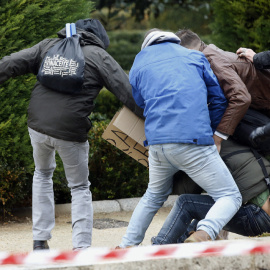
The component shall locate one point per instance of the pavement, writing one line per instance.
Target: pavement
(110, 222)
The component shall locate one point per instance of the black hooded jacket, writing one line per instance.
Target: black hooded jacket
(262, 60)
(65, 116)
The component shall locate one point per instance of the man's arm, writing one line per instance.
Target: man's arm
(260, 60)
(216, 100)
(235, 92)
(135, 92)
(20, 63)
(247, 53)
(116, 81)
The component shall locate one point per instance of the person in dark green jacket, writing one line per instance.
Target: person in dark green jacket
(251, 177)
(60, 122)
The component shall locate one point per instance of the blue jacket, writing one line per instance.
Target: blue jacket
(180, 95)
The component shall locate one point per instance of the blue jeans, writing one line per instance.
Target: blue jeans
(74, 156)
(205, 166)
(250, 220)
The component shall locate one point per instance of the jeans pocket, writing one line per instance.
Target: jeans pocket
(179, 149)
(36, 137)
(208, 149)
(153, 157)
(256, 220)
(190, 157)
(263, 221)
(248, 226)
(73, 153)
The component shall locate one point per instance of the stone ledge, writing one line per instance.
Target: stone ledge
(106, 206)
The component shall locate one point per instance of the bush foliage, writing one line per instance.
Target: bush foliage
(113, 174)
(14, 188)
(125, 45)
(241, 23)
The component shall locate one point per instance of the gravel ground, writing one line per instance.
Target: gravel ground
(16, 234)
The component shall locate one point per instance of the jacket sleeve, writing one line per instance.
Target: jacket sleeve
(216, 100)
(20, 63)
(117, 82)
(135, 91)
(262, 60)
(235, 92)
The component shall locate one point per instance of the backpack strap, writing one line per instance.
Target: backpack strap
(235, 153)
(260, 161)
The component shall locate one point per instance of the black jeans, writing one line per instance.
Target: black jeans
(250, 220)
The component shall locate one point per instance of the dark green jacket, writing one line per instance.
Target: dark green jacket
(244, 168)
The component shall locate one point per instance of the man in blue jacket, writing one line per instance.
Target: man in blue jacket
(183, 104)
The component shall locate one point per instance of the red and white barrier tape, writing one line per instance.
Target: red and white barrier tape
(101, 255)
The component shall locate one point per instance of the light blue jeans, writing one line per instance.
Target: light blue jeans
(74, 156)
(205, 166)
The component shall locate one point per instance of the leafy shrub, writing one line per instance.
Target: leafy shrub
(14, 188)
(176, 17)
(124, 46)
(243, 23)
(106, 105)
(113, 174)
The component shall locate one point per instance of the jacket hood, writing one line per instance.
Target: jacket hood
(95, 27)
(91, 31)
(158, 37)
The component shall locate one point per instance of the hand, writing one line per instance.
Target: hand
(257, 136)
(248, 53)
(218, 141)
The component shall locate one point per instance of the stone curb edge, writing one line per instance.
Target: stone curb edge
(105, 206)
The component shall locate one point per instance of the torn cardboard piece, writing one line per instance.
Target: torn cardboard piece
(126, 132)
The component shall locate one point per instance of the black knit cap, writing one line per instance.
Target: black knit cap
(95, 27)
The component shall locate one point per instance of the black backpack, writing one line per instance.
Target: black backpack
(251, 121)
(62, 68)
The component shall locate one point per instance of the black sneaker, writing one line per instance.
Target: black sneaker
(39, 245)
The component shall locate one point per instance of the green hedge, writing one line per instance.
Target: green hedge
(113, 174)
(124, 46)
(241, 23)
(106, 105)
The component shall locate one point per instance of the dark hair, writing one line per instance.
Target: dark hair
(188, 38)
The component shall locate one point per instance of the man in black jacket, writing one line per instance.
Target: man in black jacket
(261, 61)
(59, 122)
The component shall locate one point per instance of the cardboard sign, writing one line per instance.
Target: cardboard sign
(126, 132)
